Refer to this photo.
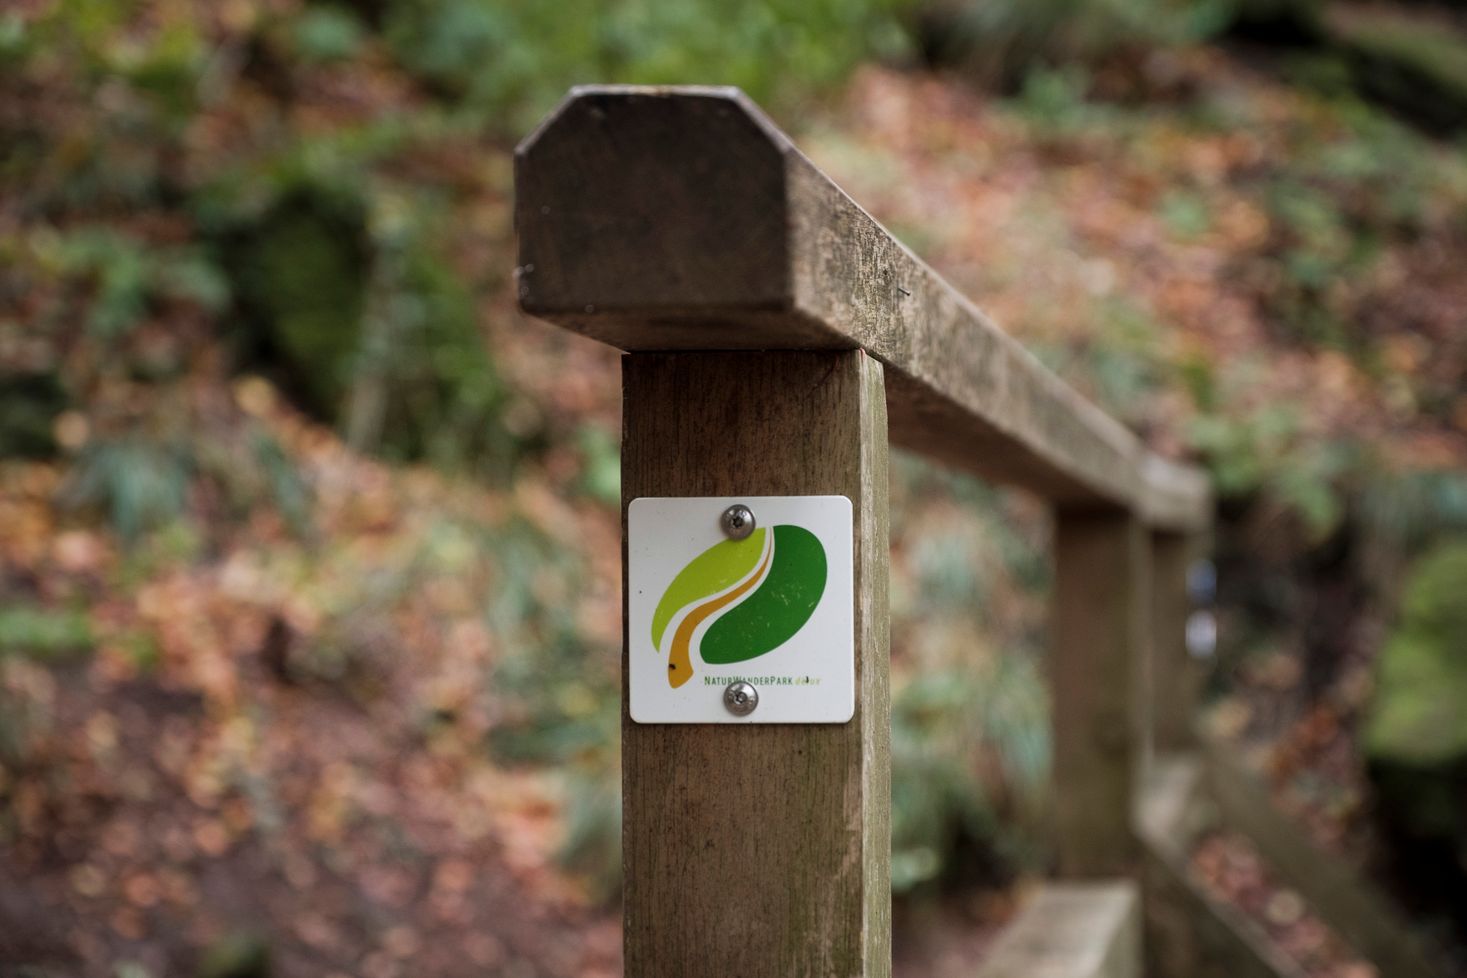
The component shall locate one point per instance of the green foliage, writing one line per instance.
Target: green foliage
(141, 482)
(1120, 365)
(592, 845)
(569, 707)
(1004, 43)
(566, 693)
(600, 465)
(514, 60)
(42, 633)
(249, 468)
(1416, 715)
(1055, 99)
(138, 483)
(1265, 450)
(423, 384)
(1186, 213)
(125, 275)
(318, 249)
(1124, 362)
(1318, 247)
(970, 728)
(272, 477)
(327, 33)
(559, 696)
(970, 757)
(348, 289)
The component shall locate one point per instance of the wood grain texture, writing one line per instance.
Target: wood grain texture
(763, 851)
(1097, 638)
(1352, 905)
(683, 219)
(1173, 677)
(1072, 930)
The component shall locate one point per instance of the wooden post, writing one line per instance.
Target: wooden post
(763, 850)
(1098, 633)
(1172, 677)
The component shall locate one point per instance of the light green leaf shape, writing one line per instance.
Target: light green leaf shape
(715, 569)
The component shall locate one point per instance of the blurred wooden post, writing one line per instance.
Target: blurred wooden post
(1172, 676)
(1098, 634)
(763, 851)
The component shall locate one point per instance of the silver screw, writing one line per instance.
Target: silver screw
(738, 521)
(740, 698)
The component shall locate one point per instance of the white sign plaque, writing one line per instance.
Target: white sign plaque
(774, 609)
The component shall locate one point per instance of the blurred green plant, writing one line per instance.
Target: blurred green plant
(560, 696)
(137, 482)
(1266, 451)
(970, 727)
(592, 844)
(43, 634)
(514, 60)
(424, 383)
(1005, 43)
(121, 276)
(141, 481)
(1415, 731)
(1054, 100)
(1186, 213)
(327, 32)
(601, 464)
(970, 760)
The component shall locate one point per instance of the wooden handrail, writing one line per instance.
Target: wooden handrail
(1071, 930)
(683, 219)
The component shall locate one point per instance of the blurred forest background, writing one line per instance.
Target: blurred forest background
(309, 566)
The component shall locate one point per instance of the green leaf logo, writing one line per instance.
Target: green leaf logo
(759, 591)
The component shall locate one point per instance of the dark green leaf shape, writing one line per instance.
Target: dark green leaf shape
(779, 608)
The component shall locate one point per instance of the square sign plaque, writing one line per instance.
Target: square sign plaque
(728, 624)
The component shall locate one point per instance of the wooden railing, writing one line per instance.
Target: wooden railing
(777, 338)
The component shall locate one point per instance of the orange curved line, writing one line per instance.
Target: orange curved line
(679, 662)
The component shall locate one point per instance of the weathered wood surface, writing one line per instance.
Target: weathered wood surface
(683, 219)
(1096, 644)
(1189, 932)
(1344, 898)
(1173, 677)
(763, 850)
(1072, 930)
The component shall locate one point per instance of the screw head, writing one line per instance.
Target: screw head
(740, 698)
(737, 521)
